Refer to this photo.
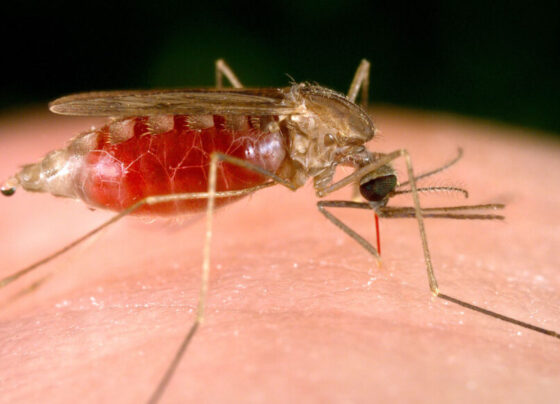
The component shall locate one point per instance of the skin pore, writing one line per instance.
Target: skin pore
(297, 311)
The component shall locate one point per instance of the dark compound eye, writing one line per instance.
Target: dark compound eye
(377, 189)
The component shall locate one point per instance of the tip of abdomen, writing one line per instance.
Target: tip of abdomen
(52, 174)
(9, 187)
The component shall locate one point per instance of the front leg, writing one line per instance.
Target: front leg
(418, 213)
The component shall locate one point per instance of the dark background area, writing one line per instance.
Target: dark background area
(497, 60)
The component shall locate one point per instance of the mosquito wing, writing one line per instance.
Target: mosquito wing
(258, 101)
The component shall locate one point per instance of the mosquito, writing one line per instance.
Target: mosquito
(171, 152)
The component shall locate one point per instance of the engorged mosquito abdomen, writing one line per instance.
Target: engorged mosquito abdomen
(132, 158)
(175, 160)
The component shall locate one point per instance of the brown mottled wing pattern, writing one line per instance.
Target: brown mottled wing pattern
(245, 101)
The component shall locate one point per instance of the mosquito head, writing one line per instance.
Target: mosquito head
(378, 185)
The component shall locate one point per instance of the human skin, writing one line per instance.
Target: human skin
(297, 311)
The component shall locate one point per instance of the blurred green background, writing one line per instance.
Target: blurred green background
(497, 60)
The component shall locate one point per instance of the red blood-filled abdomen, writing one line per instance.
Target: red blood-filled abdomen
(144, 156)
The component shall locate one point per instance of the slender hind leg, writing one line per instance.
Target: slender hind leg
(211, 196)
(417, 212)
(151, 200)
(222, 69)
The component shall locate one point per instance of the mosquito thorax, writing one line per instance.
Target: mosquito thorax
(329, 130)
(349, 123)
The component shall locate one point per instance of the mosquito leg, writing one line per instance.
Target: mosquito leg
(211, 196)
(437, 170)
(385, 159)
(419, 214)
(151, 200)
(404, 212)
(321, 205)
(360, 80)
(429, 267)
(432, 189)
(466, 212)
(223, 69)
(26, 291)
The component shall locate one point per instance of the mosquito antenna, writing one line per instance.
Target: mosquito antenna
(437, 170)
(433, 189)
